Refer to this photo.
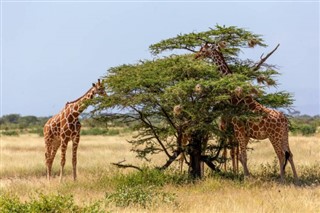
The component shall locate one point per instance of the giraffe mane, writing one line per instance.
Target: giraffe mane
(71, 102)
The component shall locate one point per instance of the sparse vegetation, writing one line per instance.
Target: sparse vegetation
(44, 203)
(102, 187)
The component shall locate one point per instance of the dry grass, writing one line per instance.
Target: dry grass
(22, 172)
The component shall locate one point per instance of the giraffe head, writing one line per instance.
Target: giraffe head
(98, 88)
(207, 49)
(204, 51)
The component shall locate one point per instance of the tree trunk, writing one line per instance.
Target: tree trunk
(196, 168)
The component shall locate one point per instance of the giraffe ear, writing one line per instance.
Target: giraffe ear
(93, 84)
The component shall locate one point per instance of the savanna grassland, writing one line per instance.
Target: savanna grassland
(101, 187)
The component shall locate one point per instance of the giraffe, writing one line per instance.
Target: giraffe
(232, 144)
(65, 126)
(213, 52)
(183, 137)
(272, 125)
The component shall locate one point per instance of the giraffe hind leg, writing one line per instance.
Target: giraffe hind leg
(50, 155)
(295, 175)
(287, 156)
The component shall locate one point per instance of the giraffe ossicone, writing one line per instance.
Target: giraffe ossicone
(64, 127)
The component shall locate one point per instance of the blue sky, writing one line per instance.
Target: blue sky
(51, 51)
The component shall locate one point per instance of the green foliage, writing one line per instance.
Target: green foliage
(45, 203)
(10, 133)
(307, 129)
(151, 177)
(237, 37)
(304, 129)
(14, 125)
(145, 93)
(143, 188)
(304, 124)
(16, 121)
(139, 196)
(99, 131)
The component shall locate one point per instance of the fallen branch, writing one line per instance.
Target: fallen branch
(120, 165)
(258, 65)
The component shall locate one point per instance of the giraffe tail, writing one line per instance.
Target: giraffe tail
(287, 156)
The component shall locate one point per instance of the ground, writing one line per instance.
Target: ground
(23, 173)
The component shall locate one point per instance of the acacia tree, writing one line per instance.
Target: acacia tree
(145, 94)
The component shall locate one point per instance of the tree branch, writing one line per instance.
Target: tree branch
(206, 159)
(258, 65)
(167, 116)
(171, 159)
(120, 165)
(147, 122)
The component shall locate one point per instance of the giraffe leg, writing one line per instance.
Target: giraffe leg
(225, 158)
(237, 159)
(295, 175)
(276, 143)
(232, 154)
(290, 157)
(55, 146)
(64, 144)
(48, 148)
(243, 156)
(74, 155)
(242, 142)
(181, 160)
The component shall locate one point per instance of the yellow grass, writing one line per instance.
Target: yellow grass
(22, 172)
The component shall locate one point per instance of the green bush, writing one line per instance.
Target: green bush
(98, 131)
(139, 195)
(303, 128)
(44, 203)
(151, 177)
(10, 133)
(143, 188)
(38, 131)
(307, 129)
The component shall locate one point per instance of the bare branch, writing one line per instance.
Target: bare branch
(149, 124)
(258, 65)
(120, 165)
(171, 159)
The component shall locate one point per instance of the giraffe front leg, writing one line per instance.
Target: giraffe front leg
(242, 142)
(243, 160)
(63, 157)
(277, 146)
(233, 158)
(47, 154)
(74, 156)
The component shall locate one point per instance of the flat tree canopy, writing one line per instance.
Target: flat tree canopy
(146, 93)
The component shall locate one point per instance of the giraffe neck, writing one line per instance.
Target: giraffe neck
(254, 105)
(79, 105)
(219, 61)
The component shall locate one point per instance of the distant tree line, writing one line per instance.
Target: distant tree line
(304, 124)
(14, 124)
